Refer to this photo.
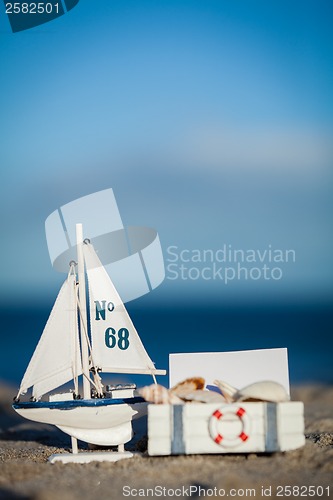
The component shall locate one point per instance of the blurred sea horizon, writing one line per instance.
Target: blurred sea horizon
(304, 329)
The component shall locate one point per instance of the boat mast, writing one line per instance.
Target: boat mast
(83, 312)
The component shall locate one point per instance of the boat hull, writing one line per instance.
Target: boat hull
(103, 422)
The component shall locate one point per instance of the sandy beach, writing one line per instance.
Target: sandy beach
(26, 474)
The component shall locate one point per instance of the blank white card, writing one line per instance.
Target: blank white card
(238, 368)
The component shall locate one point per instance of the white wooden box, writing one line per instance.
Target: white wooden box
(230, 428)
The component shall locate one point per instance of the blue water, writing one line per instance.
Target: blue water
(305, 330)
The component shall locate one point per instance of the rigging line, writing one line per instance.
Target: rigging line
(97, 378)
(72, 265)
(71, 269)
(91, 381)
(84, 326)
(77, 349)
(75, 378)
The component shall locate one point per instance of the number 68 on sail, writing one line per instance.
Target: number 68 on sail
(113, 338)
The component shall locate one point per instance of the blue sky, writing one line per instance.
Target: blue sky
(211, 120)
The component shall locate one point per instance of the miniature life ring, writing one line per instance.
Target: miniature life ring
(227, 441)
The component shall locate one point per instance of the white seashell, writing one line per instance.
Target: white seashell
(267, 390)
(175, 400)
(154, 393)
(227, 390)
(187, 386)
(158, 394)
(201, 396)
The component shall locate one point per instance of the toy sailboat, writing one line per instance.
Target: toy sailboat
(71, 346)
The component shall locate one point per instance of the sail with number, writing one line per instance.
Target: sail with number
(56, 359)
(116, 345)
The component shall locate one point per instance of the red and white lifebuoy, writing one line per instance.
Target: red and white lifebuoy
(228, 441)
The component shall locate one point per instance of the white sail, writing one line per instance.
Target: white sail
(116, 345)
(56, 359)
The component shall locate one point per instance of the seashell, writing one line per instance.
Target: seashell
(174, 400)
(227, 390)
(267, 390)
(187, 386)
(158, 394)
(201, 396)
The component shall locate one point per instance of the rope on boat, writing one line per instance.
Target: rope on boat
(97, 384)
(72, 265)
